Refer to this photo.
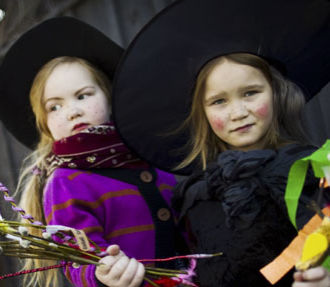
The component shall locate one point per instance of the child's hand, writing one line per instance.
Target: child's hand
(118, 270)
(314, 277)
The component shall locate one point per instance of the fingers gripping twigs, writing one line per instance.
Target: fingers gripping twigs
(118, 270)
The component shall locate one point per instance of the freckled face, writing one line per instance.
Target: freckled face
(73, 101)
(238, 104)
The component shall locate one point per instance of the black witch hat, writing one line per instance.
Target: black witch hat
(61, 36)
(162, 62)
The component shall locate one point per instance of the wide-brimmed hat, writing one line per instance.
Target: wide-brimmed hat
(163, 61)
(61, 36)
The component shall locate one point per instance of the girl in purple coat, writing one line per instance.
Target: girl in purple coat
(81, 174)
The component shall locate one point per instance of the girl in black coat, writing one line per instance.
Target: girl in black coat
(220, 99)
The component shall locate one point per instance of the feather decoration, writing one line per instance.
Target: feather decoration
(316, 247)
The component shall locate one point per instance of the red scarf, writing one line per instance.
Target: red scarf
(95, 147)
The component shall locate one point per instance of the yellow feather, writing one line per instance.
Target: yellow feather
(315, 247)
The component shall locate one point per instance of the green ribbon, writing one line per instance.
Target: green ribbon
(296, 178)
(319, 160)
(326, 263)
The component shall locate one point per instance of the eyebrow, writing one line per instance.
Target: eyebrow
(242, 89)
(215, 97)
(76, 93)
(251, 87)
(83, 88)
(51, 99)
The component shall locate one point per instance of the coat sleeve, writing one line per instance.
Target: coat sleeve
(72, 203)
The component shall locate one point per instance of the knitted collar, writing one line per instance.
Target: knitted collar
(95, 147)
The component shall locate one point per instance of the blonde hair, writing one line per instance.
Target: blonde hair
(30, 185)
(288, 101)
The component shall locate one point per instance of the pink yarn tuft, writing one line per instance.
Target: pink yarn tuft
(187, 278)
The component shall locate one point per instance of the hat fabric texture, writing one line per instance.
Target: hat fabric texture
(163, 61)
(61, 36)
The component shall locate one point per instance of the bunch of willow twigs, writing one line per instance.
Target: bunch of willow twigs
(20, 243)
(74, 248)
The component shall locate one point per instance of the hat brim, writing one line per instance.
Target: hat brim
(153, 87)
(61, 36)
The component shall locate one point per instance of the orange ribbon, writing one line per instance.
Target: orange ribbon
(283, 263)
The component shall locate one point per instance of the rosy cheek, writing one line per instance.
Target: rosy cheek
(217, 124)
(263, 111)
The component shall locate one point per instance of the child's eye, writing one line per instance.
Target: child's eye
(218, 102)
(250, 93)
(82, 96)
(54, 108)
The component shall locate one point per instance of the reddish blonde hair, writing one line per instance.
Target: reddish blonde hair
(30, 186)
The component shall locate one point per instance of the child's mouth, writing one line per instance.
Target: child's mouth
(243, 128)
(80, 127)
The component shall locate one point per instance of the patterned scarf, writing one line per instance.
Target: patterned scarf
(95, 147)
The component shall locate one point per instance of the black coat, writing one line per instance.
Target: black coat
(237, 207)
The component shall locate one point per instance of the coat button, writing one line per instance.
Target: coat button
(163, 214)
(146, 176)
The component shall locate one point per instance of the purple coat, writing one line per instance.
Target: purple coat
(110, 211)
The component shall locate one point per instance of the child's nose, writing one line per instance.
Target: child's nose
(74, 112)
(238, 111)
